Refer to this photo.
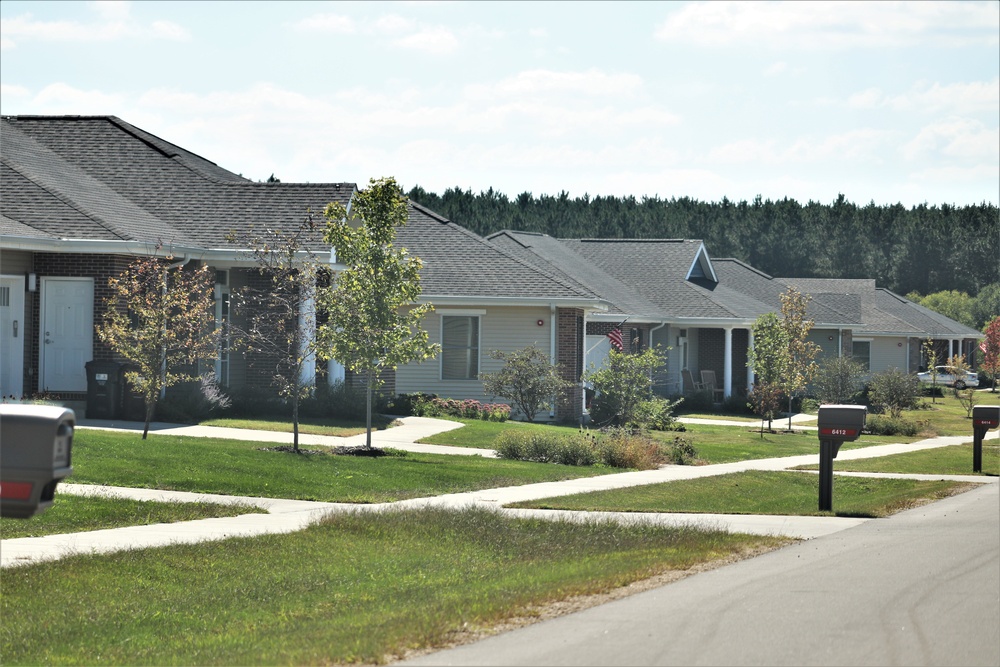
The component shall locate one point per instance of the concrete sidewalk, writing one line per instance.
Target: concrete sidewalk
(282, 516)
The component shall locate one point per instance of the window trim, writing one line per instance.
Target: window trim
(868, 362)
(476, 315)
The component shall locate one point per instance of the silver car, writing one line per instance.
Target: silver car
(946, 376)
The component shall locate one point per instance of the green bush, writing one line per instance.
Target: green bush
(623, 448)
(406, 405)
(736, 405)
(338, 400)
(699, 401)
(656, 414)
(892, 391)
(545, 448)
(680, 451)
(838, 381)
(886, 425)
(461, 409)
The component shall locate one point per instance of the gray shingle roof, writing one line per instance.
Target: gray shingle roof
(130, 185)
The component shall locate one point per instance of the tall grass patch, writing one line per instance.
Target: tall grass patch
(356, 588)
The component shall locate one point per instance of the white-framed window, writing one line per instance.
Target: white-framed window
(459, 347)
(861, 351)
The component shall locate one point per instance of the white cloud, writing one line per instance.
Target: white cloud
(960, 98)
(437, 41)
(837, 25)
(327, 23)
(959, 138)
(589, 83)
(113, 22)
(862, 145)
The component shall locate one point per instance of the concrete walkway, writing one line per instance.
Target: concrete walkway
(283, 516)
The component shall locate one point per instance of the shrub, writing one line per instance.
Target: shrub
(546, 448)
(893, 391)
(462, 409)
(527, 378)
(656, 414)
(680, 451)
(736, 405)
(623, 448)
(838, 380)
(699, 401)
(408, 404)
(884, 425)
(623, 384)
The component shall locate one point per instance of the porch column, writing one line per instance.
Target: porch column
(727, 375)
(307, 333)
(749, 367)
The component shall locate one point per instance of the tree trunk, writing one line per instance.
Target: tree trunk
(150, 408)
(368, 410)
(295, 420)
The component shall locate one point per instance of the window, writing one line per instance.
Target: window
(222, 322)
(459, 347)
(861, 350)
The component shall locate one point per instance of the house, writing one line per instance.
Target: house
(81, 196)
(671, 293)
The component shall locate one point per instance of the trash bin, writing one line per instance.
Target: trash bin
(103, 389)
(133, 403)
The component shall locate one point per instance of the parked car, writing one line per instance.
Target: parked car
(946, 376)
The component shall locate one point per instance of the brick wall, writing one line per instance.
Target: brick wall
(569, 346)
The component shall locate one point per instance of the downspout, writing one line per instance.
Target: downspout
(163, 362)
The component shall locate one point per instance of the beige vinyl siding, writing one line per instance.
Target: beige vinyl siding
(500, 328)
(14, 262)
(828, 340)
(889, 352)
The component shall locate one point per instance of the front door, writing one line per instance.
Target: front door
(67, 333)
(11, 335)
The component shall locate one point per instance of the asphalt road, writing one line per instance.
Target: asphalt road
(919, 588)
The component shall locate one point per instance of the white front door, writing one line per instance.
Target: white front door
(11, 335)
(67, 333)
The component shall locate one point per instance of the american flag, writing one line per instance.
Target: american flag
(615, 336)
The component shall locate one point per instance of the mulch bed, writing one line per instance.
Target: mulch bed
(340, 451)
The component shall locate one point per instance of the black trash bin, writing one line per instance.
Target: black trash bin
(133, 403)
(103, 389)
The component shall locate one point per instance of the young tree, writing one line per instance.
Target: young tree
(159, 317)
(930, 353)
(769, 360)
(801, 352)
(966, 395)
(374, 321)
(278, 309)
(991, 350)
(527, 379)
(624, 385)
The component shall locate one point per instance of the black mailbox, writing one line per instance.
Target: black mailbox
(36, 444)
(984, 417)
(837, 424)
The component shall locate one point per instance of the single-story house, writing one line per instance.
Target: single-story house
(81, 196)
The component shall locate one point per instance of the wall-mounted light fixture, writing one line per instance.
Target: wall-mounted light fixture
(31, 280)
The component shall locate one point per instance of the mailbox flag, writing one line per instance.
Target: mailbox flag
(615, 336)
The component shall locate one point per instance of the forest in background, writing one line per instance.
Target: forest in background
(923, 249)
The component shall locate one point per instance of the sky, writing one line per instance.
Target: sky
(881, 102)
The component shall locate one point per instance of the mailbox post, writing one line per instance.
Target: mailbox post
(984, 417)
(35, 453)
(837, 424)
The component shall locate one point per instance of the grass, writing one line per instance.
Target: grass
(481, 434)
(343, 428)
(76, 514)
(357, 588)
(232, 467)
(760, 492)
(952, 460)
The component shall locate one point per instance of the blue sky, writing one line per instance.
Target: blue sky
(883, 102)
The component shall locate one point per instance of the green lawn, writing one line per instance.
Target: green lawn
(759, 492)
(232, 467)
(343, 428)
(76, 514)
(357, 588)
(952, 460)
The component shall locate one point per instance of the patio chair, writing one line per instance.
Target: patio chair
(689, 383)
(708, 382)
